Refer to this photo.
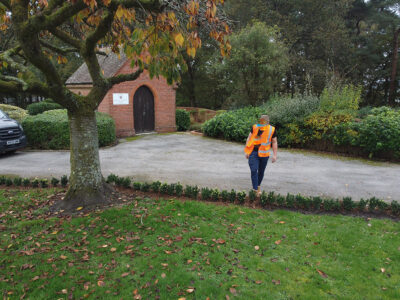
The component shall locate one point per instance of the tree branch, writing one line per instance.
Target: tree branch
(125, 77)
(67, 38)
(6, 3)
(153, 5)
(62, 51)
(14, 87)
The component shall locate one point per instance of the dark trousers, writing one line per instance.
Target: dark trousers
(257, 167)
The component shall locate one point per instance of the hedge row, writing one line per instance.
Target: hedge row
(14, 112)
(50, 130)
(271, 200)
(182, 118)
(41, 107)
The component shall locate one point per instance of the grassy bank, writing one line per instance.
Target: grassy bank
(169, 249)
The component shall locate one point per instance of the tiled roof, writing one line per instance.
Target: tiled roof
(110, 64)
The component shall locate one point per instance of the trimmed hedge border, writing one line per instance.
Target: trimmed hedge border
(273, 200)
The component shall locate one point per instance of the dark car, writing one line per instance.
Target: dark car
(12, 136)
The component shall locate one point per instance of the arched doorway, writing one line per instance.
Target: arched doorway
(143, 110)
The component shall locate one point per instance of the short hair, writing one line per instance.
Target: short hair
(265, 118)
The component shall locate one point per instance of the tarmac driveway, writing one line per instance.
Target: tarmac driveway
(208, 162)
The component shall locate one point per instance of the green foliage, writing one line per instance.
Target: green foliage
(256, 66)
(252, 195)
(126, 182)
(232, 196)
(55, 182)
(342, 98)
(290, 200)
(171, 189)
(225, 196)
(317, 201)
(280, 200)
(348, 203)
(373, 204)
(44, 183)
(155, 186)
(40, 107)
(145, 187)
(215, 194)
(137, 186)
(178, 189)
(2, 180)
(182, 120)
(14, 112)
(17, 181)
(50, 130)
(206, 193)
(36, 182)
(64, 181)
(271, 198)
(164, 188)
(119, 181)
(111, 178)
(264, 198)
(9, 182)
(241, 197)
(362, 204)
(26, 182)
(395, 208)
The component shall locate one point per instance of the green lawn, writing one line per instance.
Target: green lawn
(192, 250)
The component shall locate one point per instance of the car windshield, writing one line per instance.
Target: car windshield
(2, 115)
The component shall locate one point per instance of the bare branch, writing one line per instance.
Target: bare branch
(62, 51)
(125, 77)
(67, 38)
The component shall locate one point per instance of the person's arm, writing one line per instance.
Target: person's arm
(248, 138)
(274, 149)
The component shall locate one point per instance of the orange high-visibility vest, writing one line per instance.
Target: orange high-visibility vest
(264, 140)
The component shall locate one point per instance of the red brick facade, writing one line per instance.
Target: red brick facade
(164, 102)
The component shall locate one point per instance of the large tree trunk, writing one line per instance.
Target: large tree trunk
(393, 86)
(87, 185)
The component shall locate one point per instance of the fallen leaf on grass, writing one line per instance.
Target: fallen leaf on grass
(383, 270)
(35, 278)
(190, 290)
(322, 273)
(63, 257)
(282, 222)
(64, 291)
(256, 247)
(233, 291)
(113, 249)
(79, 208)
(276, 282)
(278, 242)
(163, 275)
(258, 281)
(100, 283)
(125, 274)
(86, 286)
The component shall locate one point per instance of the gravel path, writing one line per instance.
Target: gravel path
(197, 160)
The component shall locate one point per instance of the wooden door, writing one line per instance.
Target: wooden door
(143, 110)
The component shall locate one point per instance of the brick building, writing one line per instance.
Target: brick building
(143, 105)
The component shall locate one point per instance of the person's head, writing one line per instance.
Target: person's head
(264, 120)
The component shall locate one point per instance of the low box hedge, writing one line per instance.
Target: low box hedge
(182, 120)
(50, 130)
(14, 112)
(40, 107)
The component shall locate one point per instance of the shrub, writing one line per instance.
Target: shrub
(195, 191)
(14, 112)
(290, 200)
(316, 202)
(155, 186)
(395, 207)
(182, 120)
(215, 194)
(362, 204)
(112, 178)
(40, 107)
(119, 181)
(232, 196)
(171, 189)
(44, 183)
(252, 195)
(346, 97)
(225, 196)
(348, 203)
(50, 130)
(137, 186)
(329, 204)
(54, 181)
(263, 198)
(145, 187)
(35, 183)
(178, 189)
(188, 191)
(9, 182)
(271, 198)
(26, 182)
(2, 180)
(17, 181)
(241, 196)
(126, 182)
(64, 181)
(206, 193)
(373, 204)
(280, 200)
(191, 191)
(164, 188)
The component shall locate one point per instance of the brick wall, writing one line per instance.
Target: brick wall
(164, 102)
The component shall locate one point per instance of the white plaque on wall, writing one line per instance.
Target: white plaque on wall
(120, 99)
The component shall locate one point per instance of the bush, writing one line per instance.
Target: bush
(54, 181)
(171, 189)
(263, 198)
(191, 191)
(145, 187)
(64, 181)
(126, 182)
(280, 200)
(137, 186)
(182, 120)
(44, 183)
(215, 194)
(155, 186)
(241, 196)
(9, 182)
(252, 195)
(40, 107)
(14, 112)
(340, 98)
(178, 189)
(373, 204)
(348, 203)
(17, 181)
(206, 193)
(164, 188)
(290, 200)
(271, 198)
(35, 183)
(362, 204)
(2, 180)
(119, 181)
(112, 178)
(316, 202)
(50, 130)
(26, 182)
(232, 196)
(225, 196)
(395, 207)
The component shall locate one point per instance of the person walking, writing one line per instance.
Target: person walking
(257, 149)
